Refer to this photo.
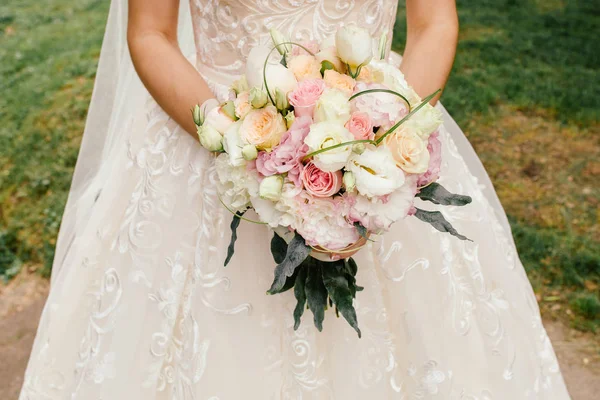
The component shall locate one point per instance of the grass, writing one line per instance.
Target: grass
(525, 88)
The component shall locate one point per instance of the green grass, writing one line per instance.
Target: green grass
(525, 87)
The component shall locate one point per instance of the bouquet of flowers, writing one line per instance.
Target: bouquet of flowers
(329, 146)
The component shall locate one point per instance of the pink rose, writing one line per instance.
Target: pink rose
(287, 156)
(360, 126)
(305, 96)
(320, 183)
(435, 160)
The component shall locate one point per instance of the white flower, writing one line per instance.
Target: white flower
(278, 39)
(332, 105)
(270, 187)
(233, 144)
(375, 172)
(426, 121)
(391, 76)
(327, 134)
(258, 98)
(349, 181)
(379, 213)
(218, 119)
(210, 138)
(278, 76)
(249, 152)
(236, 184)
(409, 150)
(281, 213)
(354, 46)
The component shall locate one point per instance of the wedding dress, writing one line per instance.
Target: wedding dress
(141, 306)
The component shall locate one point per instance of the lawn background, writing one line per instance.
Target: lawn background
(525, 88)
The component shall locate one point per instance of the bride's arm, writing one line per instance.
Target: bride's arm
(170, 78)
(432, 33)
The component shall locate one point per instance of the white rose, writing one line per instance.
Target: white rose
(233, 144)
(354, 46)
(210, 138)
(236, 185)
(332, 105)
(327, 134)
(270, 187)
(278, 76)
(375, 172)
(409, 150)
(218, 120)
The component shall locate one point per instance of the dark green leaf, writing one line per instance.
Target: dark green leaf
(278, 248)
(437, 194)
(339, 288)
(297, 251)
(300, 293)
(325, 65)
(234, 225)
(437, 220)
(351, 266)
(362, 231)
(316, 293)
(283, 61)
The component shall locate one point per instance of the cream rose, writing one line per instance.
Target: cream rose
(263, 128)
(375, 172)
(305, 66)
(327, 134)
(409, 151)
(333, 105)
(335, 80)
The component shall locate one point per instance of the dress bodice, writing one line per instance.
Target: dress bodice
(226, 30)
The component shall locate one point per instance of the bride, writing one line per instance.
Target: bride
(141, 307)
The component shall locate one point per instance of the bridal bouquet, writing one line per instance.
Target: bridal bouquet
(329, 146)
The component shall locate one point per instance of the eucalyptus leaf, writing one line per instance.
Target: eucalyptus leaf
(340, 291)
(300, 293)
(351, 266)
(438, 194)
(278, 248)
(234, 225)
(437, 220)
(296, 253)
(316, 293)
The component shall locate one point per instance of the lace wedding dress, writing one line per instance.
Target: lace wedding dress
(142, 308)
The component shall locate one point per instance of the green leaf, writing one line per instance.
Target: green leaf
(437, 194)
(362, 231)
(300, 293)
(316, 293)
(351, 266)
(339, 287)
(437, 220)
(234, 225)
(325, 65)
(278, 248)
(297, 251)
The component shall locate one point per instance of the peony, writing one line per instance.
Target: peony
(322, 223)
(332, 105)
(263, 128)
(379, 213)
(210, 138)
(360, 126)
(409, 150)
(335, 80)
(304, 67)
(305, 96)
(242, 104)
(233, 144)
(218, 119)
(235, 184)
(384, 109)
(354, 46)
(287, 156)
(435, 161)
(327, 134)
(320, 183)
(375, 172)
(278, 76)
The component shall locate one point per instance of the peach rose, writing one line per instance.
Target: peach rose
(305, 66)
(409, 151)
(360, 126)
(320, 183)
(335, 80)
(242, 104)
(365, 75)
(263, 128)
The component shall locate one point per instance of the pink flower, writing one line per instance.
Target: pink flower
(384, 109)
(360, 126)
(435, 160)
(311, 45)
(287, 156)
(320, 183)
(305, 96)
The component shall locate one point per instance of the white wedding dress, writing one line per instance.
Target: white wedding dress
(141, 306)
